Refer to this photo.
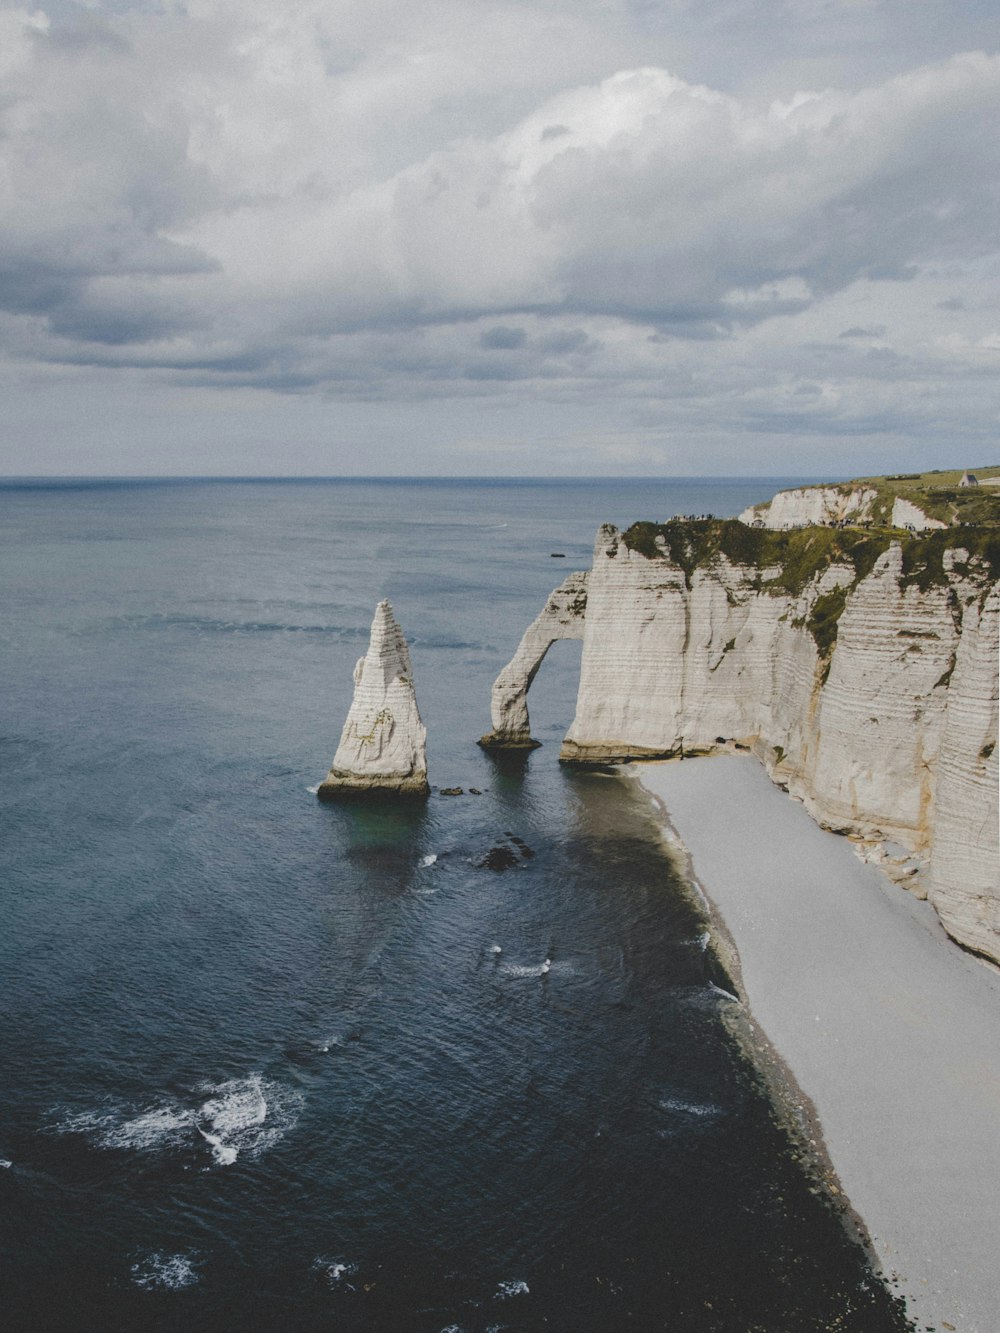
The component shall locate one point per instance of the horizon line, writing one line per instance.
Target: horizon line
(403, 476)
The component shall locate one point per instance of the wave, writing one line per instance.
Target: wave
(247, 1116)
(726, 994)
(165, 1272)
(525, 969)
(240, 1117)
(156, 1128)
(428, 860)
(511, 1287)
(544, 969)
(335, 1271)
(690, 1110)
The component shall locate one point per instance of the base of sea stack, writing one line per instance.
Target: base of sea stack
(619, 752)
(499, 740)
(341, 787)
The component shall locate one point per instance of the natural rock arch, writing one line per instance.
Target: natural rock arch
(563, 617)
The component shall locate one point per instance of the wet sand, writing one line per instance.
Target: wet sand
(889, 1029)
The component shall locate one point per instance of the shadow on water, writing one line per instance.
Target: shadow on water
(377, 821)
(509, 766)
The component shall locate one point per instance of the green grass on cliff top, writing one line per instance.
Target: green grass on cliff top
(796, 556)
(904, 481)
(800, 554)
(936, 493)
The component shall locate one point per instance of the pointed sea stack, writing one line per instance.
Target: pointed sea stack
(383, 747)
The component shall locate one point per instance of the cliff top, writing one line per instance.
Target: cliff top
(799, 554)
(939, 494)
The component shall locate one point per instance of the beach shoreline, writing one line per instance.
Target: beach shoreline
(876, 1033)
(790, 1102)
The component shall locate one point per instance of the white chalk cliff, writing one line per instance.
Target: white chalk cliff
(813, 504)
(383, 746)
(905, 514)
(873, 699)
(560, 618)
(830, 505)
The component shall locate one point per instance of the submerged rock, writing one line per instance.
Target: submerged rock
(383, 747)
(498, 858)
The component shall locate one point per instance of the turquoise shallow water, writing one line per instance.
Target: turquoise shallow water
(263, 1066)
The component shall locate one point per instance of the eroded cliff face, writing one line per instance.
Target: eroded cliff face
(813, 504)
(905, 514)
(870, 695)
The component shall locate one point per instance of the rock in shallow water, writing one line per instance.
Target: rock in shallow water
(498, 858)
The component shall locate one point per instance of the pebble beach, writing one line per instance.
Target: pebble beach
(888, 1028)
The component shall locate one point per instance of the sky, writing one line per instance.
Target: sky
(499, 237)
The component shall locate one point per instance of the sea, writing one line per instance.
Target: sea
(272, 1064)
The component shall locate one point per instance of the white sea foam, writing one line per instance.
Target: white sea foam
(428, 860)
(496, 949)
(154, 1128)
(5, 1165)
(241, 1116)
(335, 1271)
(224, 1153)
(246, 1116)
(511, 1287)
(725, 993)
(524, 970)
(548, 967)
(313, 790)
(696, 1110)
(165, 1272)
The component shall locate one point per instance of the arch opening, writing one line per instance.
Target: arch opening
(562, 617)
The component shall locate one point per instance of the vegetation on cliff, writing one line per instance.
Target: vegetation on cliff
(938, 494)
(785, 562)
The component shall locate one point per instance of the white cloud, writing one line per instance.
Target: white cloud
(376, 202)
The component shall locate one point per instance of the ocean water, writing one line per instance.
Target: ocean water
(272, 1064)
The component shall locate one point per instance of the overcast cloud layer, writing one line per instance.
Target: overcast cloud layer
(479, 237)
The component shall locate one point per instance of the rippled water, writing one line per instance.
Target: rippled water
(274, 1064)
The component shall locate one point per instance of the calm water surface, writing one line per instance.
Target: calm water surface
(263, 1066)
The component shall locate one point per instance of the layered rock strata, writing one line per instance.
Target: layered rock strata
(383, 746)
(870, 693)
(561, 618)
